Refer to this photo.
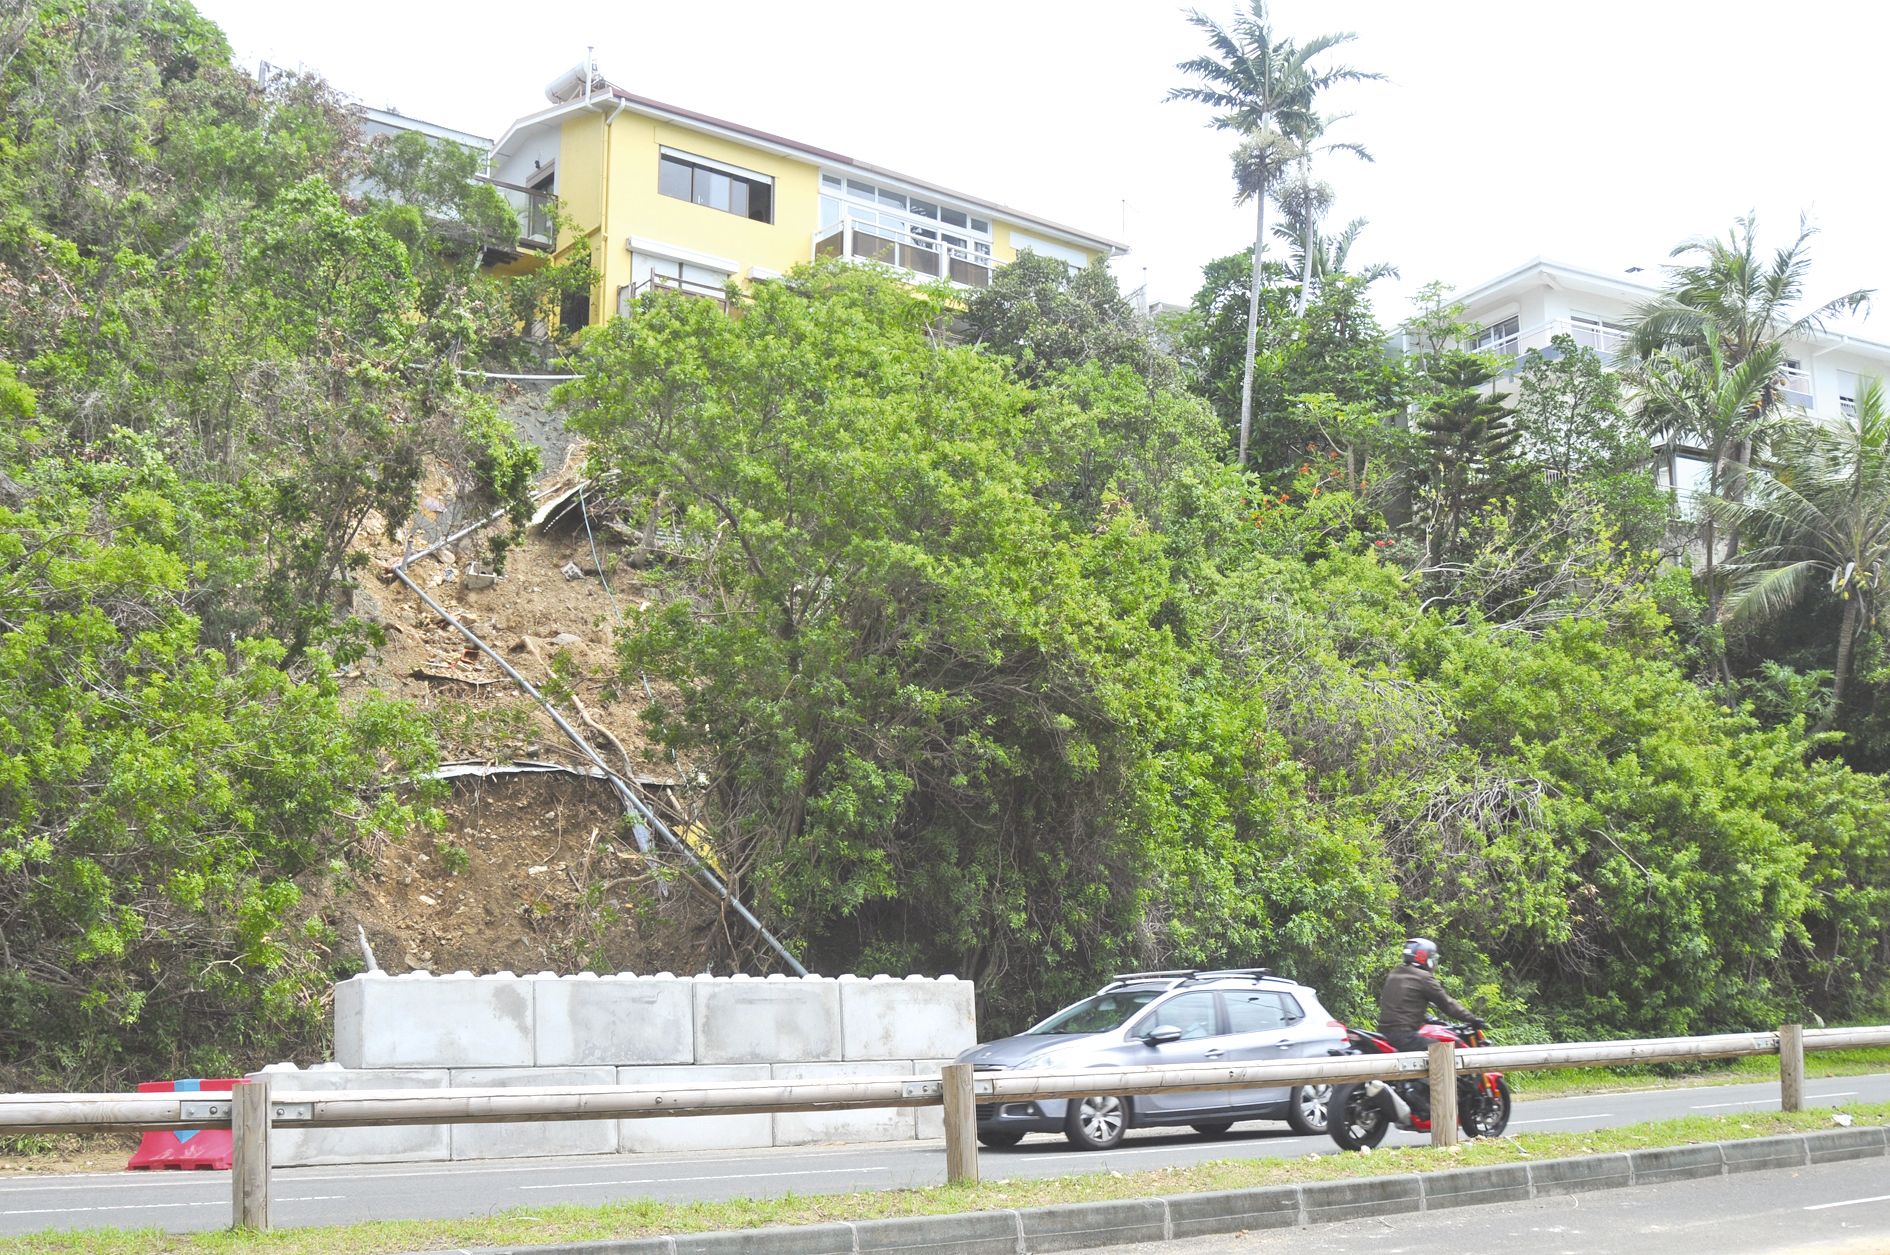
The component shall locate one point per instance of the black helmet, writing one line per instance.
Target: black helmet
(1421, 952)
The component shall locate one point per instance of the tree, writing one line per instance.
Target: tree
(1315, 199)
(1469, 440)
(1265, 89)
(1702, 395)
(1819, 515)
(1047, 317)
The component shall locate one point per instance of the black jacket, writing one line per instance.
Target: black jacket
(1409, 991)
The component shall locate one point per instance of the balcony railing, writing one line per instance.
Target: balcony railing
(865, 241)
(536, 230)
(684, 287)
(1798, 387)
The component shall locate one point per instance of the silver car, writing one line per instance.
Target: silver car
(1242, 1015)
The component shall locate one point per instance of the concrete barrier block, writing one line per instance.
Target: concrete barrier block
(579, 1023)
(818, 1239)
(929, 1122)
(1086, 1226)
(1759, 1154)
(1231, 1211)
(1676, 1163)
(422, 1021)
(1470, 1187)
(290, 1147)
(882, 1124)
(533, 1138)
(974, 1233)
(752, 1021)
(1578, 1176)
(1349, 1200)
(906, 1019)
(1831, 1145)
(663, 1133)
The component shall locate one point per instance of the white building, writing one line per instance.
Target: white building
(1529, 306)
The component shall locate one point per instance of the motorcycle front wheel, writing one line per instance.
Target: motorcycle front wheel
(1357, 1120)
(1485, 1113)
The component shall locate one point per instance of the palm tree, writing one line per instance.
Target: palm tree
(1705, 396)
(1821, 517)
(1312, 130)
(1264, 88)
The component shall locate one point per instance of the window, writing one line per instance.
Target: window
(1498, 337)
(1194, 1014)
(714, 186)
(1797, 383)
(1099, 1014)
(1260, 1012)
(1847, 388)
(1596, 333)
(877, 223)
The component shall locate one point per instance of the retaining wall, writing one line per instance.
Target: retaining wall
(418, 1030)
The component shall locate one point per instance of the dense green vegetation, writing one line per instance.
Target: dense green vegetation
(992, 655)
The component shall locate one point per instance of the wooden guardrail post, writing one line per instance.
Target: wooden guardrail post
(1791, 1067)
(1443, 1093)
(249, 1154)
(961, 1125)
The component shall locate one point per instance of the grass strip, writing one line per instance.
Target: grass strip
(572, 1223)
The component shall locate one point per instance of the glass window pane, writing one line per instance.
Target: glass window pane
(896, 200)
(672, 178)
(857, 188)
(955, 217)
(1254, 1012)
(830, 180)
(981, 226)
(761, 202)
(719, 185)
(738, 197)
(829, 211)
(1192, 1013)
(924, 209)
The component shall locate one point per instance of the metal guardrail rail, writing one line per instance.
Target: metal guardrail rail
(254, 1107)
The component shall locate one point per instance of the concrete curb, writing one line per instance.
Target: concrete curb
(1076, 1226)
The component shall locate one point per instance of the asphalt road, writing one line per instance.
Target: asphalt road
(184, 1201)
(1831, 1209)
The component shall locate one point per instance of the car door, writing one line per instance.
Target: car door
(1261, 1028)
(1197, 1014)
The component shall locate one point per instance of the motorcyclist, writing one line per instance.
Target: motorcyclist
(1411, 989)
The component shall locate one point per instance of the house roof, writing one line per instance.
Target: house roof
(612, 94)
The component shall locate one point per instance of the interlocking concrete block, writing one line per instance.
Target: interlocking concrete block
(1086, 1226)
(1760, 1154)
(533, 1138)
(290, 1147)
(929, 1122)
(1830, 1145)
(1470, 1187)
(906, 1019)
(753, 1021)
(1349, 1200)
(422, 1021)
(1232, 1211)
(664, 1133)
(616, 1020)
(1579, 1176)
(818, 1239)
(1676, 1163)
(879, 1124)
(974, 1233)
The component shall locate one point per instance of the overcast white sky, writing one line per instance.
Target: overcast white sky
(1596, 132)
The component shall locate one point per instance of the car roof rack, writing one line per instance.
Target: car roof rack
(1182, 976)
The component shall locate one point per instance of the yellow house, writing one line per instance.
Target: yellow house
(664, 197)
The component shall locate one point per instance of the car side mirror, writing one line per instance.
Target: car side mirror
(1161, 1035)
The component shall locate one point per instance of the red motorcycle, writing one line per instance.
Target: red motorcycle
(1363, 1113)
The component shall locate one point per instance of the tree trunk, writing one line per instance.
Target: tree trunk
(1847, 635)
(1305, 270)
(1253, 318)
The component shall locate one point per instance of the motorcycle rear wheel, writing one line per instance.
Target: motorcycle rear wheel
(1357, 1120)
(1484, 1114)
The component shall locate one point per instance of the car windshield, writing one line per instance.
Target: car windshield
(1099, 1014)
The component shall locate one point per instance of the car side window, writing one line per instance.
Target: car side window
(1255, 1011)
(1192, 1013)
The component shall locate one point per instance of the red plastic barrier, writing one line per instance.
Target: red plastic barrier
(184, 1148)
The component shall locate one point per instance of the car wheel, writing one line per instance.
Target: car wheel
(1000, 1138)
(1309, 1109)
(1096, 1123)
(1213, 1128)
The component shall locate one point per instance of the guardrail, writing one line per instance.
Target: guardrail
(253, 1108)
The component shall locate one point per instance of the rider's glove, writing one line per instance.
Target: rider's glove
(1478, 1023)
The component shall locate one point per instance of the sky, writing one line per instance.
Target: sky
(1599, 133)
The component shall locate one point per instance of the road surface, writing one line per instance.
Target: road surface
(185, 1201)
(1830, 1209)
